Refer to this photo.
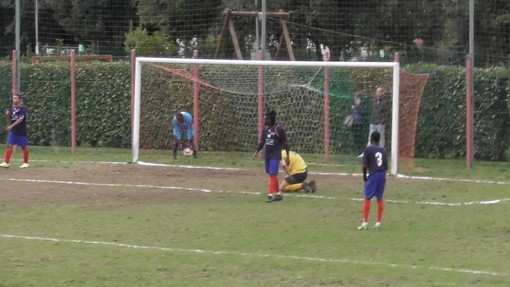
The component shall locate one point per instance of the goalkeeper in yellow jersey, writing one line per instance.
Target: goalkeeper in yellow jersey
(296, 174)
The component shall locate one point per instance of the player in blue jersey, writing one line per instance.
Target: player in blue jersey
(273, 139)
(375, 161)
(183, 129)
(17, 131)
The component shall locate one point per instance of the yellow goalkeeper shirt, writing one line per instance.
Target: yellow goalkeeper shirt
(297, 163)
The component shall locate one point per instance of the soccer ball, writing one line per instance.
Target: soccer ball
(187, 151)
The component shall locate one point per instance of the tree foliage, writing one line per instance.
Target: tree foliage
(345, 27)
(179, 19)
(88, 21)
(156, 44)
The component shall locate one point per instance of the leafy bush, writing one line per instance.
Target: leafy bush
(103, 103)
(104, 109)
(441, 129)
(156, 45)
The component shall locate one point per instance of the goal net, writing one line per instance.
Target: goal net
(228, 99)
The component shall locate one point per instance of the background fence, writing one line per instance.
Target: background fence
(432, 35)
(432, 31)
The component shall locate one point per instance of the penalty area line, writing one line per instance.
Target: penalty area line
(311, 196)
(150, 164)
(401, 176)
(253, 255)
(107, 184)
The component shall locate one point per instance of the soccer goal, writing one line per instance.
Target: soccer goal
(228, 99)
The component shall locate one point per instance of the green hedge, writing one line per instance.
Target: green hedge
(103, 103)
(442, 119)
(104, 109)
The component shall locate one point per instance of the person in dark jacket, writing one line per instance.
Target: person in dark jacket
(358, 122)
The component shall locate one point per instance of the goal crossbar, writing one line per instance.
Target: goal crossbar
(143, 60)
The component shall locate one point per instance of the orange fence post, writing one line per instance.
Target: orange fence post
(73, 102)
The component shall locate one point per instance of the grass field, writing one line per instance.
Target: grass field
(91, 219)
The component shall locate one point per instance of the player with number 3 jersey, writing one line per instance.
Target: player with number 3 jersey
(375, 162)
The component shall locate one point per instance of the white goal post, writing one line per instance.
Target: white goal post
(140, 61)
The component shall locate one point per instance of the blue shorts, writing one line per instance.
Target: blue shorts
(13, 139)
(272, 166)
(180, 132)
(375, 186)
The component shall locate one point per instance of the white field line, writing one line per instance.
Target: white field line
(142, 186)
(150, 164)
(108, 184)
(188, 166)
(312, 196)
(260, 255)
(494, 201)
(452, 179)
(314, 173)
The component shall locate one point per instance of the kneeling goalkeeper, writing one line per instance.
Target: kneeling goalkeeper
(297, 172)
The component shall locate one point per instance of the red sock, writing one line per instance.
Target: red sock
(273, 182)
(25, 155)
(270, 185)
(276, 186)
(366, 210)
(380, 209)
(7, 157)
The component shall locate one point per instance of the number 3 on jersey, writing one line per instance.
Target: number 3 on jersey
(379, 158)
